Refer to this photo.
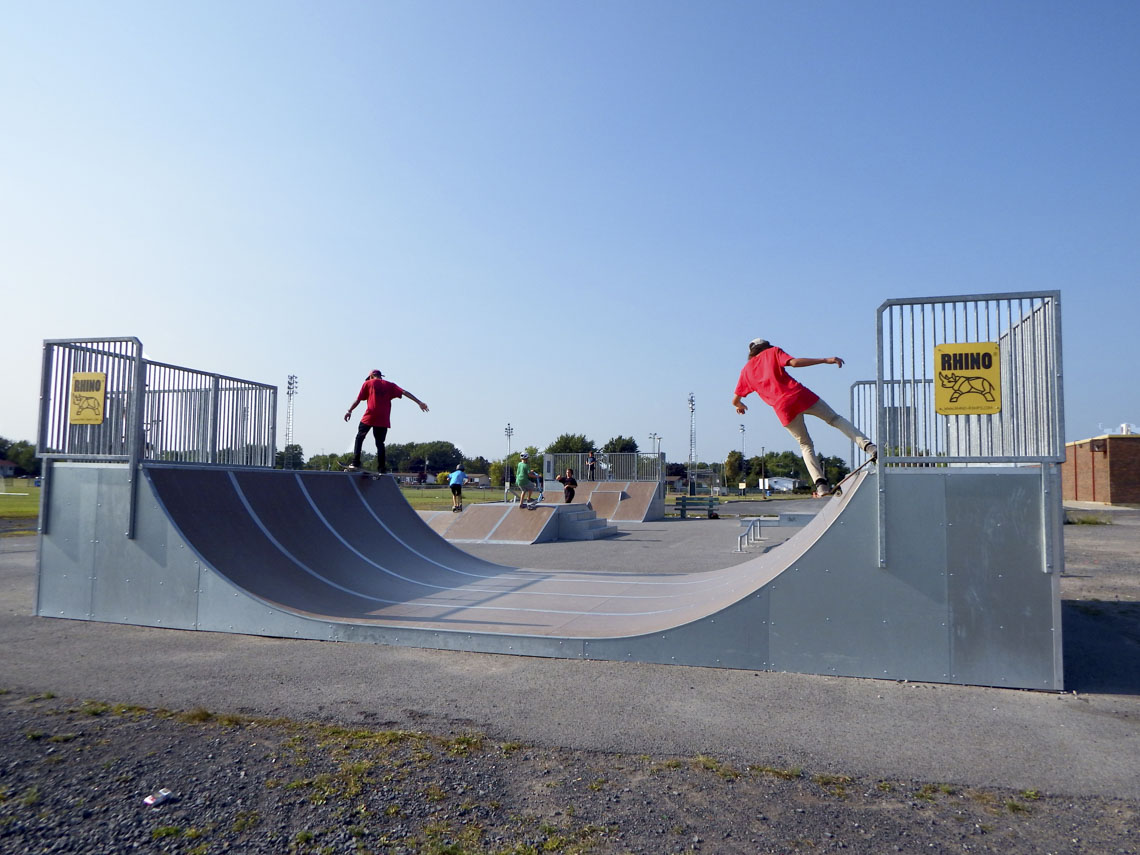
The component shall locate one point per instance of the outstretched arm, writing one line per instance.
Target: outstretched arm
(797, 362)
(423, 406)
(741, 407)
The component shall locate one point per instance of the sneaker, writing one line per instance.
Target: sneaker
(822, 490)
(354, 467)
(871, 451)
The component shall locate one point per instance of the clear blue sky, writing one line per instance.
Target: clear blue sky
(562, 215)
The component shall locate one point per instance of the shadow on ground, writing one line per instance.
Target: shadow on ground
(1102, 646)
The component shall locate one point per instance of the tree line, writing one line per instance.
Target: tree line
(22, 453)
(432, 458)
(778, 464)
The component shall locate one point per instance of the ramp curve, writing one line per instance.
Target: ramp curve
(327, 556)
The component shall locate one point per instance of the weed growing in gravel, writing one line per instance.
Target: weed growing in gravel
(784, 774)
(711, 764)
(245, 820)
(461, 746)
(31, 797)
(834, 784)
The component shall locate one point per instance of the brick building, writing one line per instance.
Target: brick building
(1102, 469)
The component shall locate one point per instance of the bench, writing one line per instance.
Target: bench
(706, 505)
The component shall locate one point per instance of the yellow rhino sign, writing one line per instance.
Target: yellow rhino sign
(88, 396)
(968, 379)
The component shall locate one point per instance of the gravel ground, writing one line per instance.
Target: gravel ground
(74, 774)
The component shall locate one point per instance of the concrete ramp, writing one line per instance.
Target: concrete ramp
(622, 501)
(507, 523)
(327, 556)
(497, 523)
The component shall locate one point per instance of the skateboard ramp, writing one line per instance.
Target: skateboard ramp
(622, 501)
(496, 522)
(324, 556)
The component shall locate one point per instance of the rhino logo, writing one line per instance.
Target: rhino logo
(966, 386)
(85, 403)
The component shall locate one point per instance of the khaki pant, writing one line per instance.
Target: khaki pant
(798, 429)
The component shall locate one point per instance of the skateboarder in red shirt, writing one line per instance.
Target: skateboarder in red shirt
(379, 394)
(764, 374)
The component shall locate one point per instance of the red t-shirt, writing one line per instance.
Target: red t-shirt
(764, 374)
(379, 394)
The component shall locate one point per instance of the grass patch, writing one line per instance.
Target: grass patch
(19, 500)
(1087, 519)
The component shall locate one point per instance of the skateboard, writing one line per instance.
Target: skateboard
(837, 490)
(375, 476)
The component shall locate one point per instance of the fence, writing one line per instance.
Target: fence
(969, 381)
(938, 348)
(616, 466)
(101, 400)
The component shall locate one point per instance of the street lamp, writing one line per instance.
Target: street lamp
(743, 445)
(510, 431)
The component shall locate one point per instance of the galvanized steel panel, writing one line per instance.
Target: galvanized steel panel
(1001, 601)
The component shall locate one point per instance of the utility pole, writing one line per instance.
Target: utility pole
(692, 442)
(290, 392)
(510, 431)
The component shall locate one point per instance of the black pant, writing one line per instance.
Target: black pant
(379, 434)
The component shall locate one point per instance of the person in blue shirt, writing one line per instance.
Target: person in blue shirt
(457, 479)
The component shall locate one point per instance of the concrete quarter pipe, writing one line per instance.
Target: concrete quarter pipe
(327, 556)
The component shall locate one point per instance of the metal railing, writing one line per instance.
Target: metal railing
(135, 409)
(100, 400)
(197, 417)
(616, 466)
(999, 352)
(1027, 427)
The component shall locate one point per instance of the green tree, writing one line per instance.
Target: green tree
(570, 443)
(436, 456)
(477, 465)
(290, 457)
(398, 456)
(785, 464)
(22, 453)
(329, 462)
(834, 469)
(734, 471)
(620, 444)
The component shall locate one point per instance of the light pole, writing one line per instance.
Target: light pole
(510, 431)
(743, 444)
